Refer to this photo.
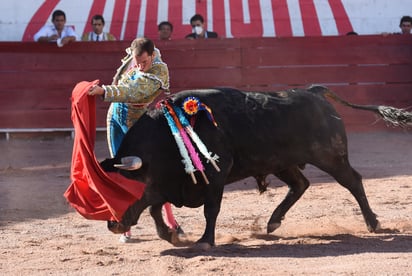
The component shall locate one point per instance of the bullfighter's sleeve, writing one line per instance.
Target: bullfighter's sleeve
(138, 87)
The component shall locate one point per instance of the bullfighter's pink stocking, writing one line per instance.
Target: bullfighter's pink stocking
(168, 215)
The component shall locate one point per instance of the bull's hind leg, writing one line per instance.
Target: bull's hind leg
(352, 180)
(297, 183)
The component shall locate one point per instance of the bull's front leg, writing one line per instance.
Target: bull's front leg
(163, 231)
(161, 227)
(211, 210)
(130, 217)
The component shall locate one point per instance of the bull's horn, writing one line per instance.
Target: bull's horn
(129, 163)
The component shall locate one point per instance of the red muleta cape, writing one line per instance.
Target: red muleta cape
(94, 193)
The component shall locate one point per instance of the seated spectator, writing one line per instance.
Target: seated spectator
(98, 34)
(165, 30)
(198, 29)
(406, 24)
(58, 32)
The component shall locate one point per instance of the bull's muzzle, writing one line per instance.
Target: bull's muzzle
(129, 163)
(117, 227)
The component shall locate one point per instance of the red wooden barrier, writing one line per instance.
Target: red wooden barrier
(37, 79)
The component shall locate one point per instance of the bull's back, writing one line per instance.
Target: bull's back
(289, 117)
(286, 127)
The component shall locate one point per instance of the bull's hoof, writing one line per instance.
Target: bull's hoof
(179, 238)
(376, 228)
(117, 227)
(273, 226)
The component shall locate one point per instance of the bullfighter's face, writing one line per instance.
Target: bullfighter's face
(144, 61)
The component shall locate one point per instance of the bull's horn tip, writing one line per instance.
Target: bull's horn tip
(129, 163)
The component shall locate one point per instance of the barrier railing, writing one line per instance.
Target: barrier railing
(37, 79)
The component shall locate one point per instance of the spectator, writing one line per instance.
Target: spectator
(98, 34)
(141, 78)
(351, 33)
(58, 32)
(406, 25)
(198, 29)
(165, 29)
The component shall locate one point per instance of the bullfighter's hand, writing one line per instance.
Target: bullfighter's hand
(96, 90)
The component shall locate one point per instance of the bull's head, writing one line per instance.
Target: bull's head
(117, 227)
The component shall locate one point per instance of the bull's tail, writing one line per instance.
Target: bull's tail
(392, 115)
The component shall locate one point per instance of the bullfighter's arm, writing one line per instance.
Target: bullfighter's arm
(139, 87)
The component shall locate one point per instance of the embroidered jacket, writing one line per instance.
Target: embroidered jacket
(135, 89)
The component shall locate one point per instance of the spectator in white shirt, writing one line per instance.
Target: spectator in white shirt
(57, 32)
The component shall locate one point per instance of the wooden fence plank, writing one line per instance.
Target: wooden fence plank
(326, 50)
(300, 75)
(44, 118)
(63, 80)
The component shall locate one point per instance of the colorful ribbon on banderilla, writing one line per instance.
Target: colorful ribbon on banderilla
(181, 131)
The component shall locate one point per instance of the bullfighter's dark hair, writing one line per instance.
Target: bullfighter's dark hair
(141, 45)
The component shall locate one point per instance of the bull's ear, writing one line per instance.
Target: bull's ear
(129, 163)
(317, 89)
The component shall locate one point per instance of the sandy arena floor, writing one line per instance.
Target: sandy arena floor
(323, 234)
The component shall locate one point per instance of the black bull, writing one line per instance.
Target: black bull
(257, 134)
